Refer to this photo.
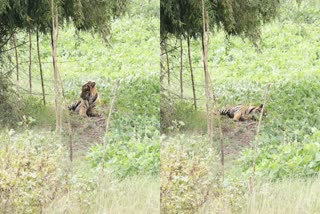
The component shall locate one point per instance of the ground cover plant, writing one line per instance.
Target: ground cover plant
(288, 143)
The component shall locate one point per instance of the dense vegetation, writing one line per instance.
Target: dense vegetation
(36, 174)
(288, 142)
(35, 161)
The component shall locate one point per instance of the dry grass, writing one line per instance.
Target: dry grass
(294, 196)
(138, 194)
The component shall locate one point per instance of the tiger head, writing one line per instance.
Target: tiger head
(258, 109)
(89, 90)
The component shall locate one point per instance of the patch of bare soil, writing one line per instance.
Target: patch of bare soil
(86, 131)
(237, 135)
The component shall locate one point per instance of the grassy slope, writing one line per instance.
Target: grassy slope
(123, 196)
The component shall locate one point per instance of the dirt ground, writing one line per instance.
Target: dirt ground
(237, 135)
(86, 132)
(91, 130)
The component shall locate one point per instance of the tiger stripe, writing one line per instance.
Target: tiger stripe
(242, 112)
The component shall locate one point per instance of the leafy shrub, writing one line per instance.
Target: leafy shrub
(185, 180)
(33, 107)
(133, 138)
(14, 107)
(129, 158)
(287, 160)
(140, 96)
(181, 111)
(166, 112)
(30, 171)
(10, 105)
(295, 104)
(139, 127)
(308, 12)
(133, 146)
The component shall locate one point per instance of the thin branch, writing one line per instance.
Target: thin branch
(256, 140)
(40, 68)
(16, 46)
(4, 43)
(105, 142)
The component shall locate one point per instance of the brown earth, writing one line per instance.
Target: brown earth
(237, 135)
(86, 132)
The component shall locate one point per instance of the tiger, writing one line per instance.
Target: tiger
(89, 99)
(242, 112)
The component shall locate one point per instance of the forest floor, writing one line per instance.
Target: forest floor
(87, 131)
(237, 135)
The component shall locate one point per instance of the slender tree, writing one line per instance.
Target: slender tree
(162, 73)
(205, 43)
(181, 68)
(40, 68)
(168, 61)
(57, 90)
(191, 73)
(16, 55)
(30, 62)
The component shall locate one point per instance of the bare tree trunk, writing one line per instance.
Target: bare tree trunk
(30, 63)
(54, 38)
(161, 64)
(40, 67)
(209, 89)
(191, 71)
(205, 41)
(162, 61)
(16, 53)
(168, 63)
(181, 68)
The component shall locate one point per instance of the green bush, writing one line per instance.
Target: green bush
(183, 112)
(10, 104)
(133, 146)
(140, 127)
(166, 112)
(133, 137)
(288, 159)
(295, 105)
(185, 175)
(139, 96)
(30, 171)
(34, 107)
(129, 158)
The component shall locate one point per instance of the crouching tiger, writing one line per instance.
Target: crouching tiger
(242, 112)
(89, 99)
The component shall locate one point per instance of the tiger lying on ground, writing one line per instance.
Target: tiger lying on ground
(89, 99)
(242, 112)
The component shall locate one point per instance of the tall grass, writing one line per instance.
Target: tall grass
(294, 196)
(118, 196)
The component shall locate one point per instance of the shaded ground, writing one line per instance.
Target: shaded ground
(237, 135)
(86, 132)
